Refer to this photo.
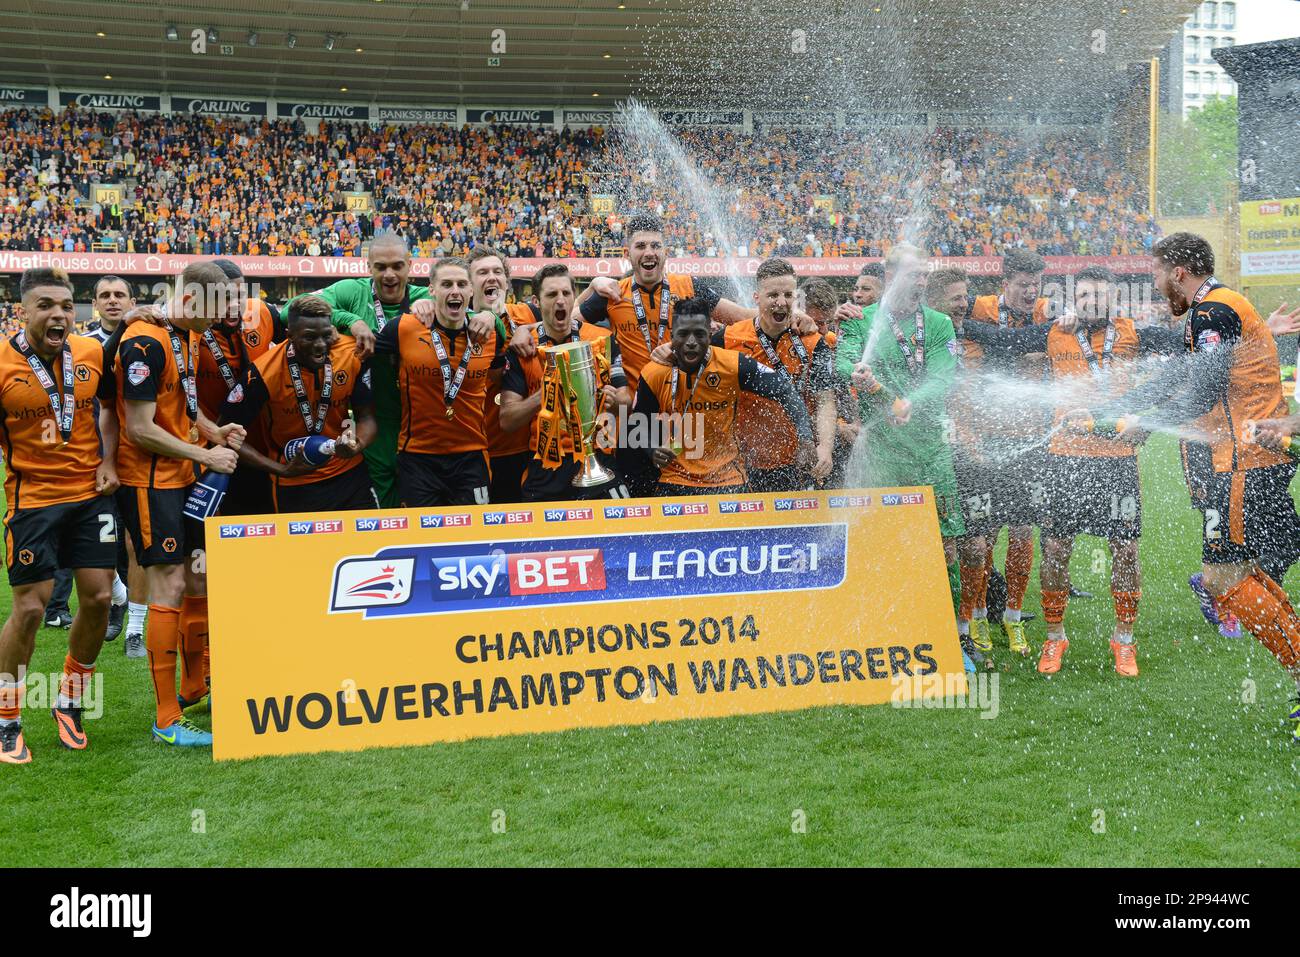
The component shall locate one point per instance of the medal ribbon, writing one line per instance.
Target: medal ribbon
(1207, 287)
(800, 353)
(1107, 347)
(380, 320)
(450, 385)
(915, 360)
(219, 356)
(63, 405)
(642, 320)
(314, 422)
(185, 369)
(699, 376)
(1005, 316)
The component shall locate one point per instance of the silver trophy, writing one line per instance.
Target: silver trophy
(575, 365)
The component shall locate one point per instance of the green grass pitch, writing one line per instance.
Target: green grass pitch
(1180, 765)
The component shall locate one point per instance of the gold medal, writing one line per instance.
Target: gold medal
(497, 400)
(194, 434)
(451, 411)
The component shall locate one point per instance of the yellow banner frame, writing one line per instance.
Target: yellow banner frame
(842, 595)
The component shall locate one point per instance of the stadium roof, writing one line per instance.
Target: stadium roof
(872, 54)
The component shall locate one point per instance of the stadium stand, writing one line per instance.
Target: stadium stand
(210, 186)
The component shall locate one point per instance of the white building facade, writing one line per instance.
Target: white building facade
(1216, 23)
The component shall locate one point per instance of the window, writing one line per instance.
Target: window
(1210, 14)
(1228, 14)
(1207, 44)
(1192, 54)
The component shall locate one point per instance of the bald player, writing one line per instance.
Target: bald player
(362, 308)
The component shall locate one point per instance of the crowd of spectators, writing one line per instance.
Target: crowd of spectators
(10, 324)
(211, 186)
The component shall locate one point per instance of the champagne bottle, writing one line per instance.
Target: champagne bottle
(1107, 428)
(1289, 444)
(883, 396)
(316, 449)
(206, 495)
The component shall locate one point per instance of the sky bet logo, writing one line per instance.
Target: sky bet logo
(316, 528)
(521, 573)
(734, 508)
(507, 518)
(687, 508)
(795, 504)
(264, 530)
(456, 520)
(627, 511)
(569, 514)
(850, 501)
(896, 498)
(648, 566)
(380, 524)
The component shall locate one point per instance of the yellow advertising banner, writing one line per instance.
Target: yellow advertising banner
(602, 204)
(1270, 241)
(367, 629)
